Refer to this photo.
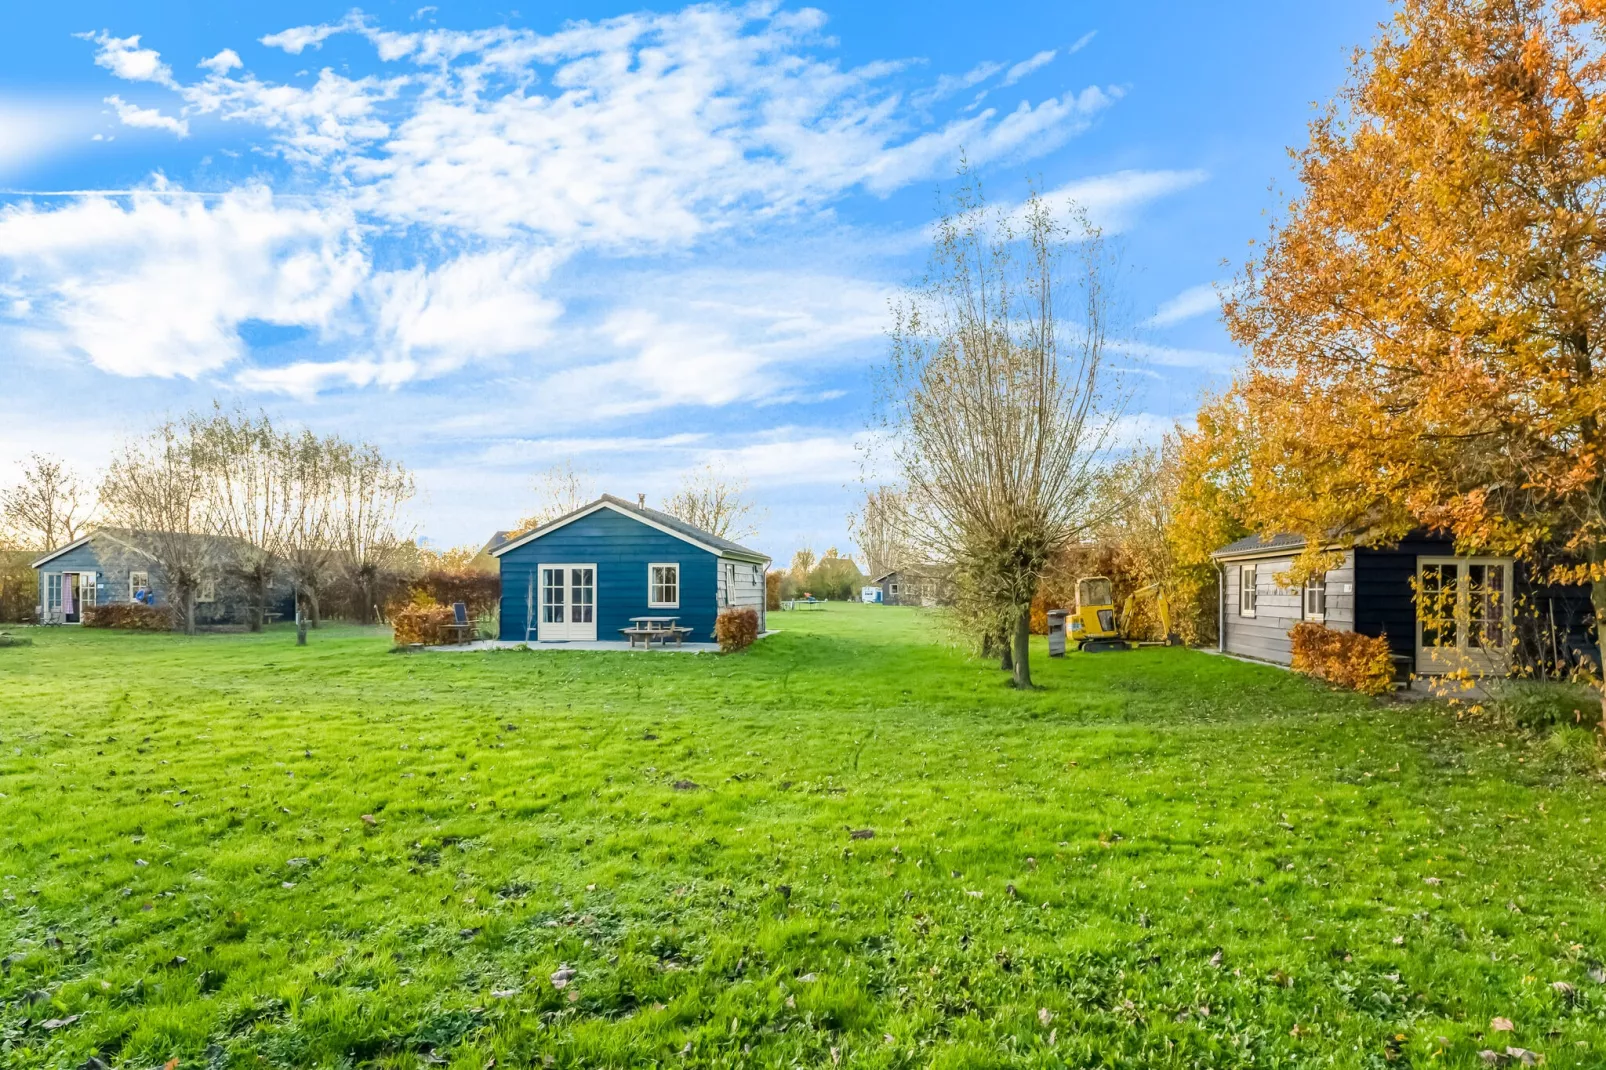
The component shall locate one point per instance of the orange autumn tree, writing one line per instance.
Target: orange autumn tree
(1426, 326)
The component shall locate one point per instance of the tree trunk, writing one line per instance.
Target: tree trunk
(259, 600)
(189, 612)
(1597, 598)
(1006, 656)
(1023, 642)
(315, 608)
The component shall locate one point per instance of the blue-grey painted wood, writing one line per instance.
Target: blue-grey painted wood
(113, 562)
(621, 548)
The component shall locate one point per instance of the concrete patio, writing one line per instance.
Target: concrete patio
(580, 644)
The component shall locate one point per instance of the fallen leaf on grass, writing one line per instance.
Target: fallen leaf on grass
(369, 819)
(1501, 1025)
(684, 785)
(504, 993)
(53, 1024)
(862, 834)
(1215, 960)
(1525, 1057)
(563, 975)
(1043, 1015)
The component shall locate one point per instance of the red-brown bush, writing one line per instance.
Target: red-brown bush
(1348, 659)
(481, 592)
(430, 625)
(736, 629)
(130, 617)
(772, 589)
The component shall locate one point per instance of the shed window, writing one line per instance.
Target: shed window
(663, 586)
(52, 592)
(1316, 598)
(139, 586)
(1246, 591)
(86, 590)
(206, 593)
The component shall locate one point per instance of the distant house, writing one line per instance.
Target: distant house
(108, 565)
(916, 585)
(1486, 603)
(585, 575)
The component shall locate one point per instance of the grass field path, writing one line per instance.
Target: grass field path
(850, 845)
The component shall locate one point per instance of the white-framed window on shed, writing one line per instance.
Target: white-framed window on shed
(206, 593)
(139, 586)
(663, 586)
(52, 592)
(1246, 591)
(87, 595)
(1315, 599)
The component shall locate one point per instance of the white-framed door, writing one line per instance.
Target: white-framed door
(1463, 614)
(568, 609)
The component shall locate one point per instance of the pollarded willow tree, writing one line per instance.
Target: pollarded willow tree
(1426, 326)
(716, 501)
(998, 413)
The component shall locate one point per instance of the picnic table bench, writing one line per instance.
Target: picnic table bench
(654, 629)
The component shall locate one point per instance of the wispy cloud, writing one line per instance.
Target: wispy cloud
(1194, 301)
(146, 118)
(1027, 66)
(127, 60)
(1082, 42)
(1111, 200)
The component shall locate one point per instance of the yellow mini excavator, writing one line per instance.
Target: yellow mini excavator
(1095, 626)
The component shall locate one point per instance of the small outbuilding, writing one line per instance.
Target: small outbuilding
(584, 576)
(916, 585)
(112, 565)
(1488, 610)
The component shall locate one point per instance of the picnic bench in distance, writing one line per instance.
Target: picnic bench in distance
(655, 629)
(802, 603)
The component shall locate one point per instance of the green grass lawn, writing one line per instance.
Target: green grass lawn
(1161, 859)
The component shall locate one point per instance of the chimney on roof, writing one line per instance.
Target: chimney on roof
(641, 500)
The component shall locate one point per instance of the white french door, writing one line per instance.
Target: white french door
(568, 608)
(1463, 614)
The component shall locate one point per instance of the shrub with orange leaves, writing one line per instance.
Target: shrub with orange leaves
(429, 625)
(1359, 662)
(736, 629)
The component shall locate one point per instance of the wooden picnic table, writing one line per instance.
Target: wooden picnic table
(649, 629)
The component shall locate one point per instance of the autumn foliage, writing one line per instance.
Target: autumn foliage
(1346, 659)
(736, 629)
(130, 617)
(1425, 324)
(430, 625)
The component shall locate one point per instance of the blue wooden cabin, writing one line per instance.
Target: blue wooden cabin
(583, 576)
(108, 565)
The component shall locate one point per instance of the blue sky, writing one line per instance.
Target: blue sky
(647, 238)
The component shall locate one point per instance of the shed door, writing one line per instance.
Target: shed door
(568, 603)
(1463, 615)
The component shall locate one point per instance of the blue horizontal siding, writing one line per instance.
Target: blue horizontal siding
(621, 548)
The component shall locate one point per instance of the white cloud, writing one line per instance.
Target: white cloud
(1194, 301)
(1082, 42)
(124, 58)
(645, 128)
(786, 459)
(1111, 200)
(298, 39)
(1171, 357)
(1027, 66)
(147, 118)
(222, 63)
(947, 85)
(158, 285)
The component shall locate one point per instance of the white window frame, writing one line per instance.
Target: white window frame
(206, 593)
(88, 596)
(653, 601)
(1248, 594)
(894, 587)
(137, 582)
(1313, 599)
(53, 582)
(1465, 655)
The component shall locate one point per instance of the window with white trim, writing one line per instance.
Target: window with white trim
(52, 592)
(139, 586)
(1315, 598)
(1246, 591)
(207, 592)
(663, 586)
(87, 595)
